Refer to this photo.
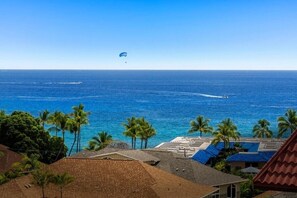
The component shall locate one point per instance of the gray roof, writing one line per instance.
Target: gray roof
(192, 170)
(277, 194)
(250, 170)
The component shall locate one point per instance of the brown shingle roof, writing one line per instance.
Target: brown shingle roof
(280, 173)
(111, 178)
(192, 170)
(87, 154)
(9, 158)
(133, 155)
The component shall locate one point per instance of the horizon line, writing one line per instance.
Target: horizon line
(47, 69)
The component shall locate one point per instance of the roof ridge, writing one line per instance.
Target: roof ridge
(89, 159)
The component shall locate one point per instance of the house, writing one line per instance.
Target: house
(280, 173)
(229, 185)
(175, 164)
(8, 158)
(243, 160)
(109, 178)
(202, 150)
(254, 153)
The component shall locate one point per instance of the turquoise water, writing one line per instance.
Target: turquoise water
(168, 99)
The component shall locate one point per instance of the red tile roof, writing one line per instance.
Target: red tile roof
(280, 173)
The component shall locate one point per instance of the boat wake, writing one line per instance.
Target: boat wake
(212, 96)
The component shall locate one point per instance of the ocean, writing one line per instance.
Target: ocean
(167, 99)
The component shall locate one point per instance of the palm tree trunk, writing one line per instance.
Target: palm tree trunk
(63, 132)
(61, 192)
(134, 142)
(141, 143)
(78, 140)
(200, 133)
(72, 144)
(145, 143)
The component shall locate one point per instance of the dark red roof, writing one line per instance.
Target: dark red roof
(280, 173)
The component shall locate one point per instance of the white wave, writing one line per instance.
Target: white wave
(64, 83)
(12, 83)
(40, 98)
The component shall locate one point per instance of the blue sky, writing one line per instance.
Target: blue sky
(157, 34)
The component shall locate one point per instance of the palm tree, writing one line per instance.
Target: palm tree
(27, 164)
(43, 117)
(62, 180)
(2, 114)
(81, 118)
(55, 120)
(72, 127)
(100, 141)
(63, 124)
(141, 133)
(201, 124)
(226, 130)
(146, 131)
(261, 129)
(41, 178)
(131, 129)
(287, 123)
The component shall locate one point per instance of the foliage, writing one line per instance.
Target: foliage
(3, 178)
(73, 128)
(226, 130)
(61, 180)
(63, 119)
(42, 178)
(43, 117)
(80, 117)
(27, 164)
(221, 166)
(54, 119)
(287, 123)
(138, 127)
(261, 129)
(145, 132)
(22, 133)
(131, 129)
(100, 141)
(201, 125)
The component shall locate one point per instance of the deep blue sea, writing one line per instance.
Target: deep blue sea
(168, 99)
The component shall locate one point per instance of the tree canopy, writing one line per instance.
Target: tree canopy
(23, 133)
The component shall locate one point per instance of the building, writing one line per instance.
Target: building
(109, 178)
(229, 185)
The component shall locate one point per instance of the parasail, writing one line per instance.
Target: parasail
(123, 54)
